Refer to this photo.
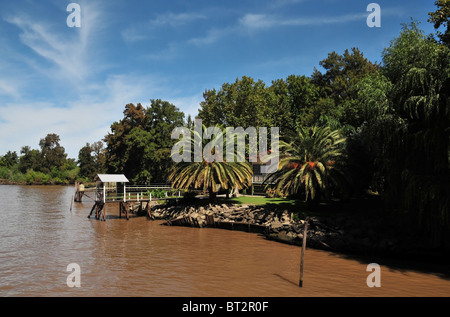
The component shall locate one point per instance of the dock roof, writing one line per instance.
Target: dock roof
(112, 178)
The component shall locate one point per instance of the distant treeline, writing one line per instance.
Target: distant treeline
(48, 165)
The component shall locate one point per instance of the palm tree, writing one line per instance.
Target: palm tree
(309, 162)
(213, 175)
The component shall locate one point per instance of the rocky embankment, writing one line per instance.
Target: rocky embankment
(342, 232)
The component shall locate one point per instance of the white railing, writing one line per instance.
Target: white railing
(132, 193)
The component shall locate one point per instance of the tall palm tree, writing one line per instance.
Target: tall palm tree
(213, 175)
(309, 163)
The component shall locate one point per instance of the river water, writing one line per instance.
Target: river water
(40, 236)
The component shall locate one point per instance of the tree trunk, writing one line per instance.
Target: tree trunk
(212, 195)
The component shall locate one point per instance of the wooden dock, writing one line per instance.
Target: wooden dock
(111, 188)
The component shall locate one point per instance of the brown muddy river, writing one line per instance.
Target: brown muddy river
(40, 237)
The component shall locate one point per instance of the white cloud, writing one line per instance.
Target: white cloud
(188, 104)
(85, 119)
(175, 19)
(264, 21)
(67, 52)
(8, 88)
(133, 34)
(258, 21)
(143, 31)
(252, 22)
(282, 3)
(212, 36)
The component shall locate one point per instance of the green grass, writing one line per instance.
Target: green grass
(299, 207)
(303, 209)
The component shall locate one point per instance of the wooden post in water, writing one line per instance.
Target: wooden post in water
(103, 212)
(71, 202)
(303, 253)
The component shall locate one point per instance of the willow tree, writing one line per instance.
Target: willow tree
(309, 163)
(211, 172)
(414, 137)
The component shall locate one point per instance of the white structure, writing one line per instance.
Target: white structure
(109, 182)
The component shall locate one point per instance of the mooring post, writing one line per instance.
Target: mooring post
(149, 215)
(305, 230)
(71, 202)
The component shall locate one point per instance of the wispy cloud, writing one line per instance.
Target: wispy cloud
(264, 21)
(9, 88)
(212, 36)
(85, 119)
(67, 52)
(283, 3)
(175, 19)
(252, 22)
(189, 104)
(142, 31)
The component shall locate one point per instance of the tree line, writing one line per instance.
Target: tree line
(47, 165)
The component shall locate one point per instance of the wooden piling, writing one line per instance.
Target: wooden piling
(305, 230)
(149, 214)
(210, 220)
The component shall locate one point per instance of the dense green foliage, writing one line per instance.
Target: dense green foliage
(408, 133)
(92, 160)
(139, 145)
(441, 18)
(49, 165)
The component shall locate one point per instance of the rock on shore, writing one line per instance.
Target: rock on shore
(349, 233)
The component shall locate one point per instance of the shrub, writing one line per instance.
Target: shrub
(33, 177)
(273, 193)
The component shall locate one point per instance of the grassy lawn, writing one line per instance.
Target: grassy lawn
(259, 200)
(303, 210)
(298, 206)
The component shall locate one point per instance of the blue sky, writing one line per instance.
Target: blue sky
(75, 82)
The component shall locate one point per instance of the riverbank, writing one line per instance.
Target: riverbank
(353, 233)
(40, 182)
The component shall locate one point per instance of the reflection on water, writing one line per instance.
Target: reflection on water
(40, 237)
